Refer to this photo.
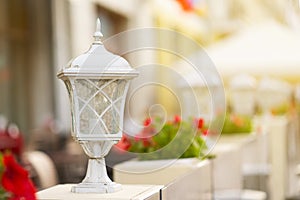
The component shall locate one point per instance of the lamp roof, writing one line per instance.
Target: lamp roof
(98, 62)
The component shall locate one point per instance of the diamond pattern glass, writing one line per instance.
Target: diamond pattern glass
(98, 105)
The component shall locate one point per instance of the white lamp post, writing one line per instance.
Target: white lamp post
(196, 93)
(97, 83)
(272, 93)
(242, 88)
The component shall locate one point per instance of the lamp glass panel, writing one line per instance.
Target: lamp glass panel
(99, 105)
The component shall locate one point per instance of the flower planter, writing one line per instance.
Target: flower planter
(156, 171)
(181, 179)
(163, 140)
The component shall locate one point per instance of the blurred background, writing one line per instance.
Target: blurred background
(259, 38)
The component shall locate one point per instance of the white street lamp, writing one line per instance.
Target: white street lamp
(97, 83)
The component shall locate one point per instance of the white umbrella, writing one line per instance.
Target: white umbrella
(265, 49)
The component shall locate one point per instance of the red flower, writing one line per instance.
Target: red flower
(12, 142)
(137, 138)
(238, 121)
(147, 121)
(200, 123)
(205, 132)
(145, 139)
(177, 119)
(16, 181)
(146, 142)
(124, 143)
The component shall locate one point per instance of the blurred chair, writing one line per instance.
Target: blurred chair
(46, 138)
(44, 168)
(240, 194)
(228, 175)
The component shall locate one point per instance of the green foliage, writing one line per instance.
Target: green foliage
(1, 165)
(174, 139)
(3, 193)
(236, 124)
(281, 109)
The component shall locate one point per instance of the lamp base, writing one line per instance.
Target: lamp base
(96, 187)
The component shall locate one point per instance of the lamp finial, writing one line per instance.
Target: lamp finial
(98, 35)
